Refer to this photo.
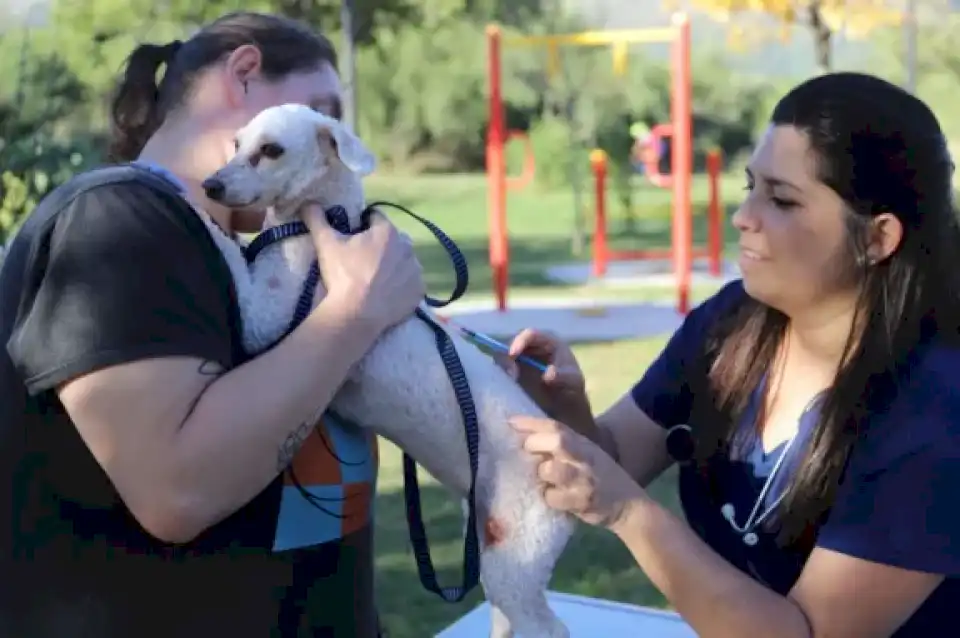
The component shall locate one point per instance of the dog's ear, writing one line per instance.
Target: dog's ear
(348, 146)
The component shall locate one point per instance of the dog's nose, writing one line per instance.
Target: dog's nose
(214, 188)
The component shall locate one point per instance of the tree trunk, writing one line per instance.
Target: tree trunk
(822, 37)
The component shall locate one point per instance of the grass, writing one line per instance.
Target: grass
(540, 224)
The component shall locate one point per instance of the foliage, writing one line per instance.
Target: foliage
(823, 18)
(938, 69)
(421, 84)
(38, 148)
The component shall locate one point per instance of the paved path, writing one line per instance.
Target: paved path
(648, 272)
(573, 318)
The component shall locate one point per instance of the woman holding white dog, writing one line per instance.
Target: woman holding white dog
(154, 477)
(813, 406)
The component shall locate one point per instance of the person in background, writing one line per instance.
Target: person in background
(156, 480)
(640, 133)
(813, 406)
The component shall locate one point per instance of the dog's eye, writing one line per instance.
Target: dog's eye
(236, 145)
(271, 151)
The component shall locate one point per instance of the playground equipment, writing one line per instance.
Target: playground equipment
(678, 34)
(682, 253)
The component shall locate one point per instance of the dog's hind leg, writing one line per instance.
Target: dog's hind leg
(499, 623)
(516, 591)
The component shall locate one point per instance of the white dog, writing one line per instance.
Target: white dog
(289, 155)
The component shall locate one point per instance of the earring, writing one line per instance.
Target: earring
(244, 87)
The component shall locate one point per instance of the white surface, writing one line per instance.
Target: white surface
(586, 618)
(571, 319)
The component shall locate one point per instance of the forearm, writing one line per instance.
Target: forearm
(715, 598)
(248, 424)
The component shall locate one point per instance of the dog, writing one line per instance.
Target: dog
(290, 155)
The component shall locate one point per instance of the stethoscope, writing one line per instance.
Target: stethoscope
(756, 518)
(680, 447)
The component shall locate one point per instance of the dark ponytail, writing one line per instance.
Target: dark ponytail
(140, 104)
(135, 111)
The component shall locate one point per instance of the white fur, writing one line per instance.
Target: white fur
(400, 388)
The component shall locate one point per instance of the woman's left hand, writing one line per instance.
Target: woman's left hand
(577, 476)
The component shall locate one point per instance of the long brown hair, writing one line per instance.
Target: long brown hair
(881, 150)
(140, 104)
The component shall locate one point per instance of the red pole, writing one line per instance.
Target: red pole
(715, 213)
(682, 162)
(598, 160)
(497, 174)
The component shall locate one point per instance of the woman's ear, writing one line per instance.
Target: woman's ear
(886, 233)
(242, 66)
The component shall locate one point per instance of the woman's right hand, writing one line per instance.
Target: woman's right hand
(561, 390)
(373, 276)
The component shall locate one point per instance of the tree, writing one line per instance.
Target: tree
(823, 18)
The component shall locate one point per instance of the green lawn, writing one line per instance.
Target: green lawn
(540, 224)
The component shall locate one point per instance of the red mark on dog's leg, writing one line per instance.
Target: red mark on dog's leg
(273, 283)
(493, 531)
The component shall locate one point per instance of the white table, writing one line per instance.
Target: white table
(586, 618)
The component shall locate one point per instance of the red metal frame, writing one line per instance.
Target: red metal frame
(713, 251)
(497, 174)
(682, 251)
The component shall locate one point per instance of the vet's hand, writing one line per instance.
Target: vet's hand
(561, 390)
(373, 275)
(575, 475)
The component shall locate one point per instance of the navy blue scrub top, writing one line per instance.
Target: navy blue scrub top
(899, 500)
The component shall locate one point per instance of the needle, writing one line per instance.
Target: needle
(493, 344)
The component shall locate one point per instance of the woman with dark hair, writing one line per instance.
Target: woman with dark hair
(813, 406)
(158, 482)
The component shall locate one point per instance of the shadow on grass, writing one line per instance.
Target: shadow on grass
(594, 564)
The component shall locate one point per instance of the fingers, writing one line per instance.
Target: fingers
(315, 217)
(532, 424)
(544, 443)
(547, 438)
(562, 376)
(530, 341)
(556, 472)
(561, 499)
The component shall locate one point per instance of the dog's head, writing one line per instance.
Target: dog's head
(285, 156)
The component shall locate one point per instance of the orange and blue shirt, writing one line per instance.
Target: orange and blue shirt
(337, 467)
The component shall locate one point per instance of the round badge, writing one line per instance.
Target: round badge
(750, 539)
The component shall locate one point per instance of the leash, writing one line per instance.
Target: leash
(339, 221)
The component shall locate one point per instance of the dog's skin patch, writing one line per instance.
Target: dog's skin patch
(493, 532)
(273, 283)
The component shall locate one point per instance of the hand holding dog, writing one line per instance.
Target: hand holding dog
(575, 475)
(374, 276)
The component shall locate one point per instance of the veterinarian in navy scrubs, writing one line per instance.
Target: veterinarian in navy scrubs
(154, 482)
(813, 406)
